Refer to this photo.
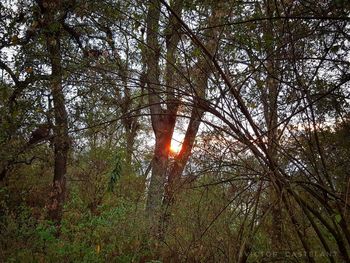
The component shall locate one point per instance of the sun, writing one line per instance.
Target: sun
(176, 143)
(175, 147)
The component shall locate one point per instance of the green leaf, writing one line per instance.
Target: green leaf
(116, 172)
(197, 52)
(337, 218)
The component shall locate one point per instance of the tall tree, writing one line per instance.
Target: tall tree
(53, 14)
(163, 113)
(164, 103)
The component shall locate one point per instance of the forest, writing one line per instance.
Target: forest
(175, 131)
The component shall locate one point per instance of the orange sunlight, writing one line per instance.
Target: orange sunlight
(176, 145)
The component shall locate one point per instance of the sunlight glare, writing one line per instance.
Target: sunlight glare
(176, 144)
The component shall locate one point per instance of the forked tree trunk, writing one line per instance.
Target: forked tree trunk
(163, 103)
(201, 74)
(164, 112)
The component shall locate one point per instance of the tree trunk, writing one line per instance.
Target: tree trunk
(61, 137)
(269, 95)
(161, 124)
(201, 75)
(164, 119)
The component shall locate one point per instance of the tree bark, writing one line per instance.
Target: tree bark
(201, 74)
(163, 120)
(269, 95)
(61, 138)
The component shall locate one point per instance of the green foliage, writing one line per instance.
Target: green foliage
(117, 233)
(116, 172)
(294, 69)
